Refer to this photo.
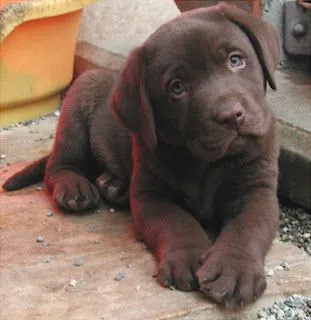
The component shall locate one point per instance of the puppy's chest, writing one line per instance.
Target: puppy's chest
(194, 183)
(198, 196)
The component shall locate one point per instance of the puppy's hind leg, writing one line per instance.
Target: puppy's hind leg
(71, 163)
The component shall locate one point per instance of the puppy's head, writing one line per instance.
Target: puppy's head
(199, 82)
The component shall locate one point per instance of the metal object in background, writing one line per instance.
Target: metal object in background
(253, 6)
(297, 29)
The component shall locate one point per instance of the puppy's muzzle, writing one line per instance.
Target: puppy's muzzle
(233, 115)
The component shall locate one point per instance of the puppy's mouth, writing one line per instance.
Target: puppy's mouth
(212, 150)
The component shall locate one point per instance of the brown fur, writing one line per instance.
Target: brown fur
(198, 155)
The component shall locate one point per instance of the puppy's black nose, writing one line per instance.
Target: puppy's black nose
(232, 115)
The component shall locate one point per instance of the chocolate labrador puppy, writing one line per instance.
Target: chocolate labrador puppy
(184, 132)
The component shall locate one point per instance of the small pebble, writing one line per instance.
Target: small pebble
(3, 156)
(112, 210)
(78, 262)
(47, 260)
(262, 314)
(269, 272)
(279, 268)
(73, 283)
(171, 287)
(40, 239)
(50, 214)
(280, 314)
(27, 123)
(39, 188)
(137, 287)
(56, 113)
(285, 266)
(120, 276)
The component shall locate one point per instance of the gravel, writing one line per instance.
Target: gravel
(29, 123)
(294, 307)
(295, 226)
(20, 124)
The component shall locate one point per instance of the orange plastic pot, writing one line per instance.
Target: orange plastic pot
(38, 40)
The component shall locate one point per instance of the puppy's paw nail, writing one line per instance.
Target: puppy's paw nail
(73, 204)
(101, 183)
(113, 191)
(86, 203)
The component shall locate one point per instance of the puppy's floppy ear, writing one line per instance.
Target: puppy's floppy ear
(262, 35)
(130, 102)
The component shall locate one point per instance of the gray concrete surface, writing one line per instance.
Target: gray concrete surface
(292, 105)
(36, 280)
(291, 101)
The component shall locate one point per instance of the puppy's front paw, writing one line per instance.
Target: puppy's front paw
(75, 193)
(231, 278)
(113, 189)
(178, 269)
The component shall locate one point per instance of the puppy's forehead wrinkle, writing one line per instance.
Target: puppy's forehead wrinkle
(207, 39)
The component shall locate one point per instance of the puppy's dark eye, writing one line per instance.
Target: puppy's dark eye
(236, 61)
(176, 88)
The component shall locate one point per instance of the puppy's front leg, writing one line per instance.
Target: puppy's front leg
(173, 234)
(233, 269)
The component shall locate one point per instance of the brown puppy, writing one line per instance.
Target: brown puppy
(187, 128)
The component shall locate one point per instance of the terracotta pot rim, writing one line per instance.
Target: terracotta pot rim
(15, 13)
